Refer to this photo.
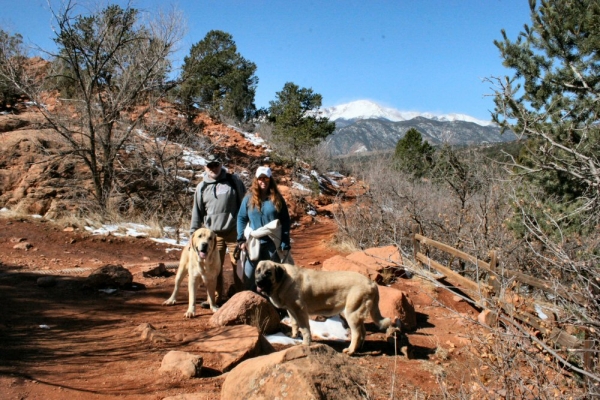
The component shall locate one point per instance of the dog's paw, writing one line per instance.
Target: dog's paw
(347, 351)
(189, 314)
(169, 302)
(214, 309)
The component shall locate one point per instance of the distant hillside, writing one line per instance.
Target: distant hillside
(367, 135)
(364, 126)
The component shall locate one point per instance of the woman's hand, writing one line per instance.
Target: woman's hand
(243, 246)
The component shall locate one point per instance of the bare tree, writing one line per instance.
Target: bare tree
(113, 66)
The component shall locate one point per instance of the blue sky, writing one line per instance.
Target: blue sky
(412, 55)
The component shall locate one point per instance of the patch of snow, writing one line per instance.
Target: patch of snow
(297, 186)
(192, 158)
(281, 338)
(540, 312)
(331, 329)
(367, 109)
(172, 242)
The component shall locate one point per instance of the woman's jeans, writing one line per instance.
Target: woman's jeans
(267, 252)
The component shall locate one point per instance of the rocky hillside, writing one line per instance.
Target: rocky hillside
(39, 176)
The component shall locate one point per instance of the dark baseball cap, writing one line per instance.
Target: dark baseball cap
(213, 158)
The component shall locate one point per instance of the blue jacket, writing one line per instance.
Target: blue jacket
(260, 218)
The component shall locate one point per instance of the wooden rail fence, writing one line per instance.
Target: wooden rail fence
(488, 293)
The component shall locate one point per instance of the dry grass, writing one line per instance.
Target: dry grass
(344, 245)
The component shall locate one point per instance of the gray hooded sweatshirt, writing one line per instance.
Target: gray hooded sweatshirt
(216, 203)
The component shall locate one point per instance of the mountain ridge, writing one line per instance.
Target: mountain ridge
(367, 109)
(364, 126)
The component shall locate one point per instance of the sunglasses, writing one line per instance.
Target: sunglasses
(263, 178)
(213, 165)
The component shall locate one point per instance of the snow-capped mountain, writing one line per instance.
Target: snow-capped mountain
(364, 126)
(366, 109)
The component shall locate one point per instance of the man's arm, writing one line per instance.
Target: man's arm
(242, 220)
(197, 210)
(239, 188)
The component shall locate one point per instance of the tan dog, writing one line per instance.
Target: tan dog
(200, 258)
(303, 291)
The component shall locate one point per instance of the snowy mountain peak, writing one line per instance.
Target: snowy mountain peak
(366, 109)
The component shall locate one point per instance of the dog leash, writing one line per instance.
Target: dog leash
(284, 259)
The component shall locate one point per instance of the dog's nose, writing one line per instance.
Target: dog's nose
(204, 247)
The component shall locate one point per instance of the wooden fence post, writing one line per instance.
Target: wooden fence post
(494, 278)
(416, 243)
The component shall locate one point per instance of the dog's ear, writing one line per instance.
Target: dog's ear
(279, 272)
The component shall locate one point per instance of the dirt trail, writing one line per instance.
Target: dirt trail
(63, 342)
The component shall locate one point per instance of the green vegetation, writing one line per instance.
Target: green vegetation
(218, 79)
(11, 55)
(413, 155)
(297, 126)
(552, 101)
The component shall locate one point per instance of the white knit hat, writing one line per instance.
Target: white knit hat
(263, 171)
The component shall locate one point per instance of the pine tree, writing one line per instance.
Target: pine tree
(218, 79)
(553, 101)
(297, 125)
(413, 155)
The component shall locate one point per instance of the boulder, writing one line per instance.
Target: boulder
(225, 347)
(23, 246)
(339, 263)
(149, 333)
(395, 304)
(378, 257)
(386, 261)
(248, 308)
(109, 276)
(181, 363)
(299, 372)
(155, 270)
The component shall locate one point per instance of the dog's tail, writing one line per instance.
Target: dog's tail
(382, 323)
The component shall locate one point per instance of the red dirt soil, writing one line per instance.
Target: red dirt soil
(63, 342)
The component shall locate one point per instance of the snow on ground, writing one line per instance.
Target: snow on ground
(330, 329)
